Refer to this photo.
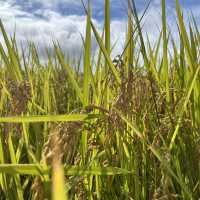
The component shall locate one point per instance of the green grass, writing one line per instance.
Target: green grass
(126, 130)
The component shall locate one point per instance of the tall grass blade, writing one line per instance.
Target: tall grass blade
(183, 107)
(48, 118)
(165, 50)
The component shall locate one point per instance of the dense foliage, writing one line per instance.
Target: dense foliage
(126, 128)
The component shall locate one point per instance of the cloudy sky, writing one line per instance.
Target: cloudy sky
(42, 21)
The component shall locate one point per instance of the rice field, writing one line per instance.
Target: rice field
(126, 128)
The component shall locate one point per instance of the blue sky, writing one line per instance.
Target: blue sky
(42, 21)
(69, 7)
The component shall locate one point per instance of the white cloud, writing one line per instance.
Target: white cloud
(67, 29)
(53, 26)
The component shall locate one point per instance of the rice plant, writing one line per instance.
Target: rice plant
(123, 128)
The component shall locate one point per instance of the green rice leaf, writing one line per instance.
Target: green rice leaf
(48, 118)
